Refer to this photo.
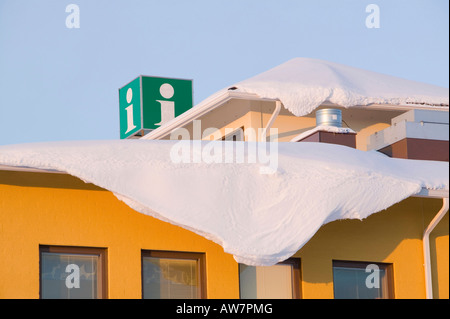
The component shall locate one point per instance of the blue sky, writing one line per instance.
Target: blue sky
(58, 83)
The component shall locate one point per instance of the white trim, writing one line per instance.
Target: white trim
(402, 130)
(426, 247)
(405, 107)
(423, 116)
(186, 117)
(432, 193)
(29, 169)
(272, 119)
(199, 110)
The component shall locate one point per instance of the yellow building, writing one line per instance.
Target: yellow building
(61, 237)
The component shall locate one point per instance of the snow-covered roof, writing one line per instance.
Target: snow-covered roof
(303, 84)
(259, 218)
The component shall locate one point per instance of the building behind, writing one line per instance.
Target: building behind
(63, 238)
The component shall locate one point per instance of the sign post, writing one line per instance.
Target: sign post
(148, 102)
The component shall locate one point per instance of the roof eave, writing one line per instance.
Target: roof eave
(200, 110)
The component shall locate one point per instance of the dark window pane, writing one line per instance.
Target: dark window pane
(362, 281)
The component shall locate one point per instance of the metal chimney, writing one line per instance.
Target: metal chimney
(329, 117)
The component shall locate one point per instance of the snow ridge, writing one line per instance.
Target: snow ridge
(303, 84)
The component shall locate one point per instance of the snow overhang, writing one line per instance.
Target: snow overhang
(303, 84)
(265, 224)
(424, 192)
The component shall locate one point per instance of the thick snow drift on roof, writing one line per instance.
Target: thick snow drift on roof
(303, 84)
(259, 218)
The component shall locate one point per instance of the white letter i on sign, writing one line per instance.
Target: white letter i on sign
(129, 109)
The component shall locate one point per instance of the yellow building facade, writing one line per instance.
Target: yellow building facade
(48, 209)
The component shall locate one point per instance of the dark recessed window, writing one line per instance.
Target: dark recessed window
(362, 280)
(235, 136)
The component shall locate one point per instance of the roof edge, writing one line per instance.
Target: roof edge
(200, 109)
(29, 169)
(432, 193)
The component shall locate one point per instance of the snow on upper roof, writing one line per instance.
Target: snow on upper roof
(259, 218)
(303, 84)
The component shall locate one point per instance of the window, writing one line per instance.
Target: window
(281, 281)
(237, 135)
(72, 272)
(173, 275)
(362, 280)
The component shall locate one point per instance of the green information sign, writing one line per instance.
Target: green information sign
(148, 102)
